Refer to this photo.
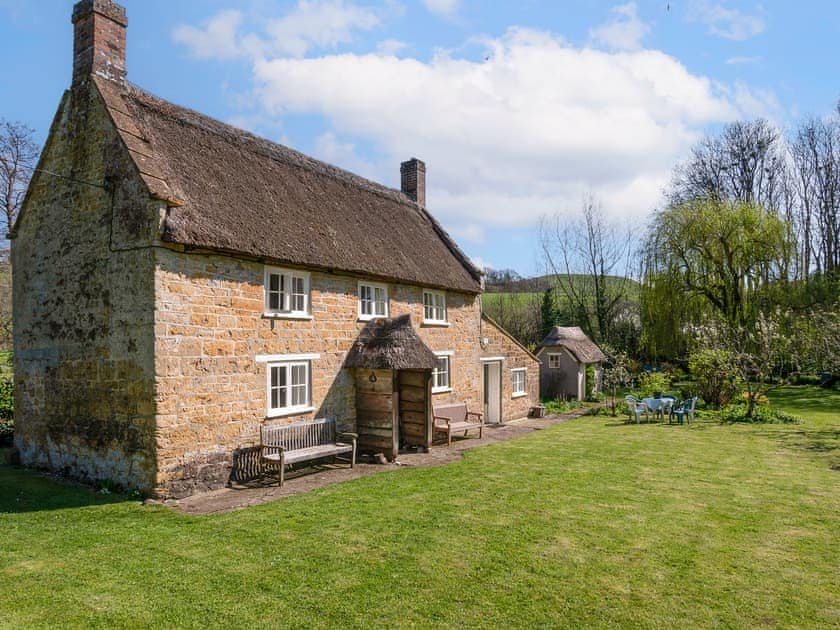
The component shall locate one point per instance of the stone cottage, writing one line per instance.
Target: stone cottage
(565, 354)
(179, 283)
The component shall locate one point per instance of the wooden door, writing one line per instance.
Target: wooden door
(376, 412)
(414, 409)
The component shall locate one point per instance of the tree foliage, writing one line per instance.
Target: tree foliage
(18, 154)
(717, 255)
(717, 375)
(589, 258)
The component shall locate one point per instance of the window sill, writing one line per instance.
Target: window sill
(289, 411)
(297, 316)
(441, 390)
(521, 395)
(434, 322)
(367, 318)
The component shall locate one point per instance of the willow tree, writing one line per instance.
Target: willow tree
(719, 255)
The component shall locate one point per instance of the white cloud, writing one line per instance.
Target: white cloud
(624, 31)
(756, 102)
(528, 132)
(217, 40)
(329, 148)
(311, 24)
(446, 8)
(725, 22)
(737, 61)
(481, 263)
(319, 24)
(390, 47)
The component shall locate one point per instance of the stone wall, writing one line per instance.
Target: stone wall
(83, 306)
(211, 391)
(502, 344)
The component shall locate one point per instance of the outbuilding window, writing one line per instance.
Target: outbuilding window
(286, 292)
(434, 307)
(554, 361)
(518, 382)
(373, 300)
(442, 372)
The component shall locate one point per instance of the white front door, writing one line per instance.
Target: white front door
(493, 392)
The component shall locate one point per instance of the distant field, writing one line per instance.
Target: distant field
(519, 299)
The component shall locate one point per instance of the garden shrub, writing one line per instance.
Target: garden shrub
(590, 382)
(7, 411)
(652, 382)
(716, 374)
(554, 405)
(764, 414)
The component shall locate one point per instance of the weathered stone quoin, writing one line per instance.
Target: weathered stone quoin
(140, 325)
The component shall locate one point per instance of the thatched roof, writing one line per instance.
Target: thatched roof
(232, 191)
(575, 341)
(390, 344)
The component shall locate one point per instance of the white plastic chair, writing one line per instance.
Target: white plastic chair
(635, 408)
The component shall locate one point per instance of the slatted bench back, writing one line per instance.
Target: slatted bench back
(456, 412)
(299, 435)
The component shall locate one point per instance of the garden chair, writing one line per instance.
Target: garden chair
(636, 408)
(686, 410)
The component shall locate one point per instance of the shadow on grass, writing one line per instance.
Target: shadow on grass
(825, 442)
(23, 490)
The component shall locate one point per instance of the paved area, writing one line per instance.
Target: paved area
(261, 491)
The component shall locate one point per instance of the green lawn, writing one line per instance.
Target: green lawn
(590, 523)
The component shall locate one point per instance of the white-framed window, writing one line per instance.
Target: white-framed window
(286, 292)
(288, 383)
(554, 361)
(517, 376)
(443, 371)
(373, 300)
(434, 307)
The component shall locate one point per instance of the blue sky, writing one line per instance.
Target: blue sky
(520, 109)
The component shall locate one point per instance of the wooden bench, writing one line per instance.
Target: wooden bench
(456, 417)
(285, 444)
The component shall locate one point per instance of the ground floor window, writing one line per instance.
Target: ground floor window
(441, 373)
(288, 383)
(518, 381)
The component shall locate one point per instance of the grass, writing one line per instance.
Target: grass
(593, 522)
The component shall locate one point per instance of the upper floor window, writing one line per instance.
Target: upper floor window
(518, 381)
(373, 300)
(434, 307)
(554, 361)
(286, 292)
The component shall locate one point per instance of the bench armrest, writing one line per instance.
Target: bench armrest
(443, 418)
(347, 435)
(478, 414)
(270, 450)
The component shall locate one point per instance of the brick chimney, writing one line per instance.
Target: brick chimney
(98, 40)
(413, 180)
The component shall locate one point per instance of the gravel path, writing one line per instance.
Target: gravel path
(263, 490)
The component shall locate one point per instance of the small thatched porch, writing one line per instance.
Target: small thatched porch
(392, 371)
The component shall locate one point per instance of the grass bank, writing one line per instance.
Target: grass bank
(590, 523)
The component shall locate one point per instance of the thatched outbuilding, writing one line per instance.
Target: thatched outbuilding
(390, 344)
(566, 352)
(393, 371)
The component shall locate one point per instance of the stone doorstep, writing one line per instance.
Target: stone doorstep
(266, 489)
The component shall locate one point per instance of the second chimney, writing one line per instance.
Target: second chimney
(413, 180)
(98, 40)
